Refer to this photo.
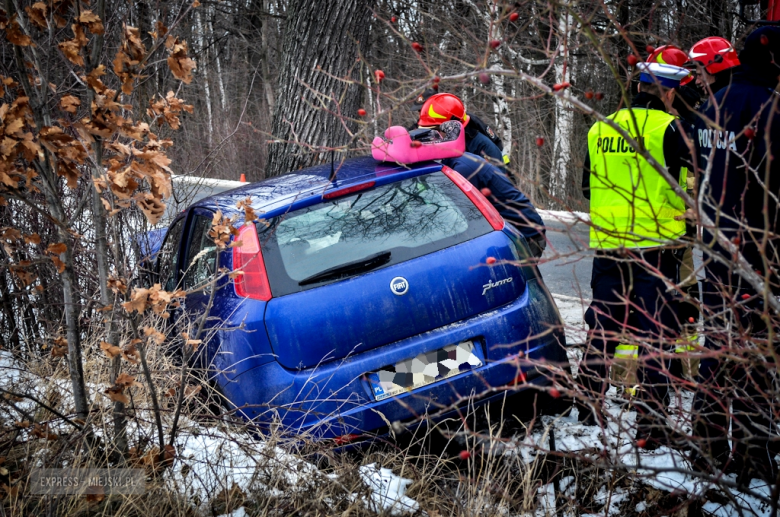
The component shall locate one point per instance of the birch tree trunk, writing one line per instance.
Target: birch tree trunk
(313, 102)
(564, 116)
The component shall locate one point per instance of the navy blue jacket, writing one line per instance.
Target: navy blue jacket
(735, 196)
(512, 204)
(482, 146)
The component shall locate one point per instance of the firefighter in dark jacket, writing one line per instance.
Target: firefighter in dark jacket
(635, 216)
(737, 144)
(512, 204)
(480, 137)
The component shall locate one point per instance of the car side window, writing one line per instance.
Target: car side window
(168, 260)
(201, 253)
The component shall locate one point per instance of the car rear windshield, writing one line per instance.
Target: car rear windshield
(352, 235)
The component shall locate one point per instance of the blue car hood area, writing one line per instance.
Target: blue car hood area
(363, 313)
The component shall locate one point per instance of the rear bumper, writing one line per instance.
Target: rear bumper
(334, 399)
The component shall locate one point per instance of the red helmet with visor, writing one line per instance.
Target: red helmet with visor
(715, 54)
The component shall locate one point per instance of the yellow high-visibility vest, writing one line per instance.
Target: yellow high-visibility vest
(631, 204)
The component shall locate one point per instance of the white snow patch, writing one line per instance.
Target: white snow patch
(572, 311)
(387, 491)
(564, 216)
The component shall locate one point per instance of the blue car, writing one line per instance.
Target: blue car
(368, 295)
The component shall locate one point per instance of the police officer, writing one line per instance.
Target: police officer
(480, 137)
(512, 204)
(737, 146)
(635, 214)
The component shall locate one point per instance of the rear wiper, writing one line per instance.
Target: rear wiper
(364, 264)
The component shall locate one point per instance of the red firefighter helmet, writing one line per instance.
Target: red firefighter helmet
(670, 55)
(441, 108)
(715, 54)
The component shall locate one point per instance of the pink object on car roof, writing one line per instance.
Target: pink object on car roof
(449, 141)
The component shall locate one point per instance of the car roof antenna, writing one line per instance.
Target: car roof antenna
(332, 171)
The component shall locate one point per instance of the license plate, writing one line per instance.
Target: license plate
(425, 369)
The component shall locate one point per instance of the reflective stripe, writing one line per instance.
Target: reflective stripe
(692, 339)
(631, 204)
(627, 350)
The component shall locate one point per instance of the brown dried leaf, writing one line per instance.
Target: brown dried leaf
(70, 103)
(190, 391)
(32, 238)
(116, 393)
(37, 15)
(92, 21)
(57, 248)
(154, 335)
(138, 301)
(152, 208)
(110, 350)
(181, 66)
(14, 34)
(72, 47)
(125, 380)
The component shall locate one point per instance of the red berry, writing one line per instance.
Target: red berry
(554, 393)
(379, 75)
(539, 141)
(464, 455)
(589, 94)
(415, 143)
(764, 40)
(486, 192)
(750, 134)
(494, 43)
(641, 443)
(436, 79)
(632, 60)
(362, 112)
(491, 260)
(435, 86)
(393, 19)
(736, 240)
(745, 296)
(513, 17)
(417, 47)
(650, 49)
(484, 78)
(690, 319)
(599, 96)
(557, 87)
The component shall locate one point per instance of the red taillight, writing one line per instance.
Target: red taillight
(347, 438)
(253, 283)
(476, 197)
(348, 190)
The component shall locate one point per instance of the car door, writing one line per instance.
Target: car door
(199, 271)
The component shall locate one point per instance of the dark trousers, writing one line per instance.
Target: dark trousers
(622, 283)
(735, 384)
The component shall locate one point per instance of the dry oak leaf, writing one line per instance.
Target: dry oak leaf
(221, 229)
(181, 66)
(191, 390)
(72, 47)
(125, 380)
(57, 248)
(137, 301)
(249, 213)
(117, 394)
(110, 350)
(70, 103)
(92, 21)
(130, 352)
(37, 15)
(117, 284)
(14, 34)
(59, 347)
(152, 207)
(154, 335)
(32, 238)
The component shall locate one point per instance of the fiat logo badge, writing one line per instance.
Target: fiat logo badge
(399, 285)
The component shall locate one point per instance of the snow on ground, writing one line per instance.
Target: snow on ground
(572, 312)
(564, 216)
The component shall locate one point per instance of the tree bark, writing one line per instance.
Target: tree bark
(320, 50)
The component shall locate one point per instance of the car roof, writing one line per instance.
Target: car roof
(280, 192)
